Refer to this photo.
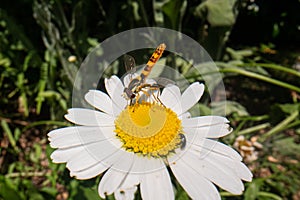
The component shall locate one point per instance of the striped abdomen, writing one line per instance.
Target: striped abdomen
(153, 59)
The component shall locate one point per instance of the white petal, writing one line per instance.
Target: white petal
(191, 96)
(89, 117)
(194, 183)
(214, 170)
(125, 193)
(78, 135)
(203, 121)
(128, 188)
(63, 155)
(89, 172)
(185, 115)
(92, 154)
(115, 89)
(207, 145)
(214, 131)
(157, 185)
(243, 171)
(124, 162)
(131, 180)
(170, 96)
(108, 162)
(227, 161)
(143, 165)
(110, 182)
(115, 175)
(101, 101)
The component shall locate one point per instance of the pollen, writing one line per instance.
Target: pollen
(149, 129)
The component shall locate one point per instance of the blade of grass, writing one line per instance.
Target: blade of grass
(239, 127)
(281, 126)
(45, 122)
(260, 77)
(20, 85)
(271, 66)
(26, 174)
(269, 195)
(10, 136)
(254, 118)
(254, 129)
(42, 86)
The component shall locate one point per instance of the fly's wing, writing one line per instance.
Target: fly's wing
(129, 63)
(154, 86)
(163, 82)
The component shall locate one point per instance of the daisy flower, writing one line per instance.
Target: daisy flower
(138, 146)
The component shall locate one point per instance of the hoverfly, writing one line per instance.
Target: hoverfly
(136, 85)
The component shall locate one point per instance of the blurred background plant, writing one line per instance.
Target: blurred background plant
(255, 44)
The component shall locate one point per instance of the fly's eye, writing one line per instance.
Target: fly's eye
(132, 96)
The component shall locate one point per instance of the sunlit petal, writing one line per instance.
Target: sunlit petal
(170, 96)
(78, 135)
(101, 101)
(87, 117)
(115, 89)
(203, 121)
(213, 131)
(191, 96)
(157, 185)
(194, 183)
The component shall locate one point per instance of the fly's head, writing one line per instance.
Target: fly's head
(128, 94)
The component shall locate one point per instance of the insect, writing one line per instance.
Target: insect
(182, 141)
(136, 85)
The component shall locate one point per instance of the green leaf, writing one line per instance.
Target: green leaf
(252, 191)
(173, 12)
(4, 61)
(93, 42)
(289, 108)
(217, 12)
(90, 193)
(34, 195)
(8, 190)
(204, 110)
(280, 111)
(230, 108)
(238, 54)
(182, 196)
(287, 147)
(206, 71)
(49, 190)
(200, 109)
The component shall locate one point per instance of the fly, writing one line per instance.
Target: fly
(136, 85)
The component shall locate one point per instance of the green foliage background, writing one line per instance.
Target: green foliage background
(255, 44)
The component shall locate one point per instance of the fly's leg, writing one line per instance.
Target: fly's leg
(152, 88)
(157, 97)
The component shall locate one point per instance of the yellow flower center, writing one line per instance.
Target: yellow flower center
(149, 129)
